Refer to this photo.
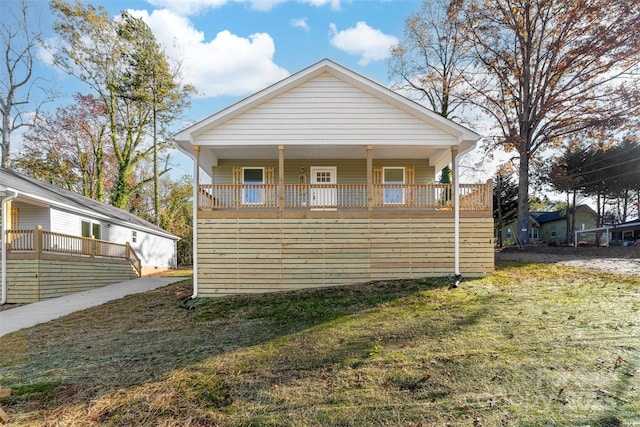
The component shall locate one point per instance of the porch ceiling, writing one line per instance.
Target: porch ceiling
(438, 156)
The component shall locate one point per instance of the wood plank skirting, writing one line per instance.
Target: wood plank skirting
(247, 252)
(33, 278)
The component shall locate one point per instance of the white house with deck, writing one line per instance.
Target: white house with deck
(55, 241)
(328, 178)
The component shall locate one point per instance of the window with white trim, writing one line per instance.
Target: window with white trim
(251, 177)
(393, 195)
(91, 229)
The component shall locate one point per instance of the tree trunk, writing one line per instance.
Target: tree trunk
(499, 202)
(156, 193)
(523, 200)
(573, 215)
(569, 216)
(6, 140)
(121, 193)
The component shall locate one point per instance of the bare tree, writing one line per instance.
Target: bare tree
(549, 69)
(18, 86)
(431, 61)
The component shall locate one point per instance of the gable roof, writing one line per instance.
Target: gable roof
(45, 194)
(549, 216)
(464, 137)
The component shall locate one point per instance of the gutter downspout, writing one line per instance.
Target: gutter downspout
(5, 200)
(196, 195)
(456, 213)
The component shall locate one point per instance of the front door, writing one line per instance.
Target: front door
(323, 189)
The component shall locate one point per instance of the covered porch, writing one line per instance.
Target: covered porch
(325, 217)
(351, 177)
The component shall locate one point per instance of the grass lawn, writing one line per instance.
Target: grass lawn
(531, 345)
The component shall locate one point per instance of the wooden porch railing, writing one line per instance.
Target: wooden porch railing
(473, 197)
(40, 241)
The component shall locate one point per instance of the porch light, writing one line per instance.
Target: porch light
(301, 169)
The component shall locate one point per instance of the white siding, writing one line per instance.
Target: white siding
(153, 250)
(30, 216)
(326, 110)
(65, 222)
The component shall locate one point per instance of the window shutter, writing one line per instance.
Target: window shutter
(269, 177)
(410, 175)
(377, 186)
(410, 180)
(236, 174)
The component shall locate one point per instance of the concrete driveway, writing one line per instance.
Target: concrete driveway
(26, 316)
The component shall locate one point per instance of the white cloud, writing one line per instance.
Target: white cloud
(300, 23)
(335, 4)
(45, 51)
(187, 7)
(369, 43)
(227, 65)
(193, 7)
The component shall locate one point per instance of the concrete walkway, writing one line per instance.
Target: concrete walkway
(26, 316)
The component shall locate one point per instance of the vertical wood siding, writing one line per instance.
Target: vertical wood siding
(243, 255)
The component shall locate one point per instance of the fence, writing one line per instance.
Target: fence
(40, 241)
(348, 196)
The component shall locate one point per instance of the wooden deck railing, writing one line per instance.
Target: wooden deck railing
(40, 241)
(473, 197)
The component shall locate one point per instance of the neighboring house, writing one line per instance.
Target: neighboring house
(328, 178)
(626, 233)
(623, 234)
(551, 227)
(47, 226)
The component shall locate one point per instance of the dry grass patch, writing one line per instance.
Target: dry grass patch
(532, 345)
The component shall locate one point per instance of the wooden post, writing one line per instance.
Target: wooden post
(369, 177)
(489, 195)
(281, 178)
(37, 241)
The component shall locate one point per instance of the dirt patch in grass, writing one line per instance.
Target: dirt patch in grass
(614, 259)
(532, 345)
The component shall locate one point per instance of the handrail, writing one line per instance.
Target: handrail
(40, 241)
(134, 259)
(473, 197)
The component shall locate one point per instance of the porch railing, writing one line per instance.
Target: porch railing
(346, 196)
(40, 241)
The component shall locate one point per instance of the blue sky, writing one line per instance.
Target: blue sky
(230, 49)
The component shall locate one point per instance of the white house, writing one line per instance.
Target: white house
(30, 206)
(328, 178)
